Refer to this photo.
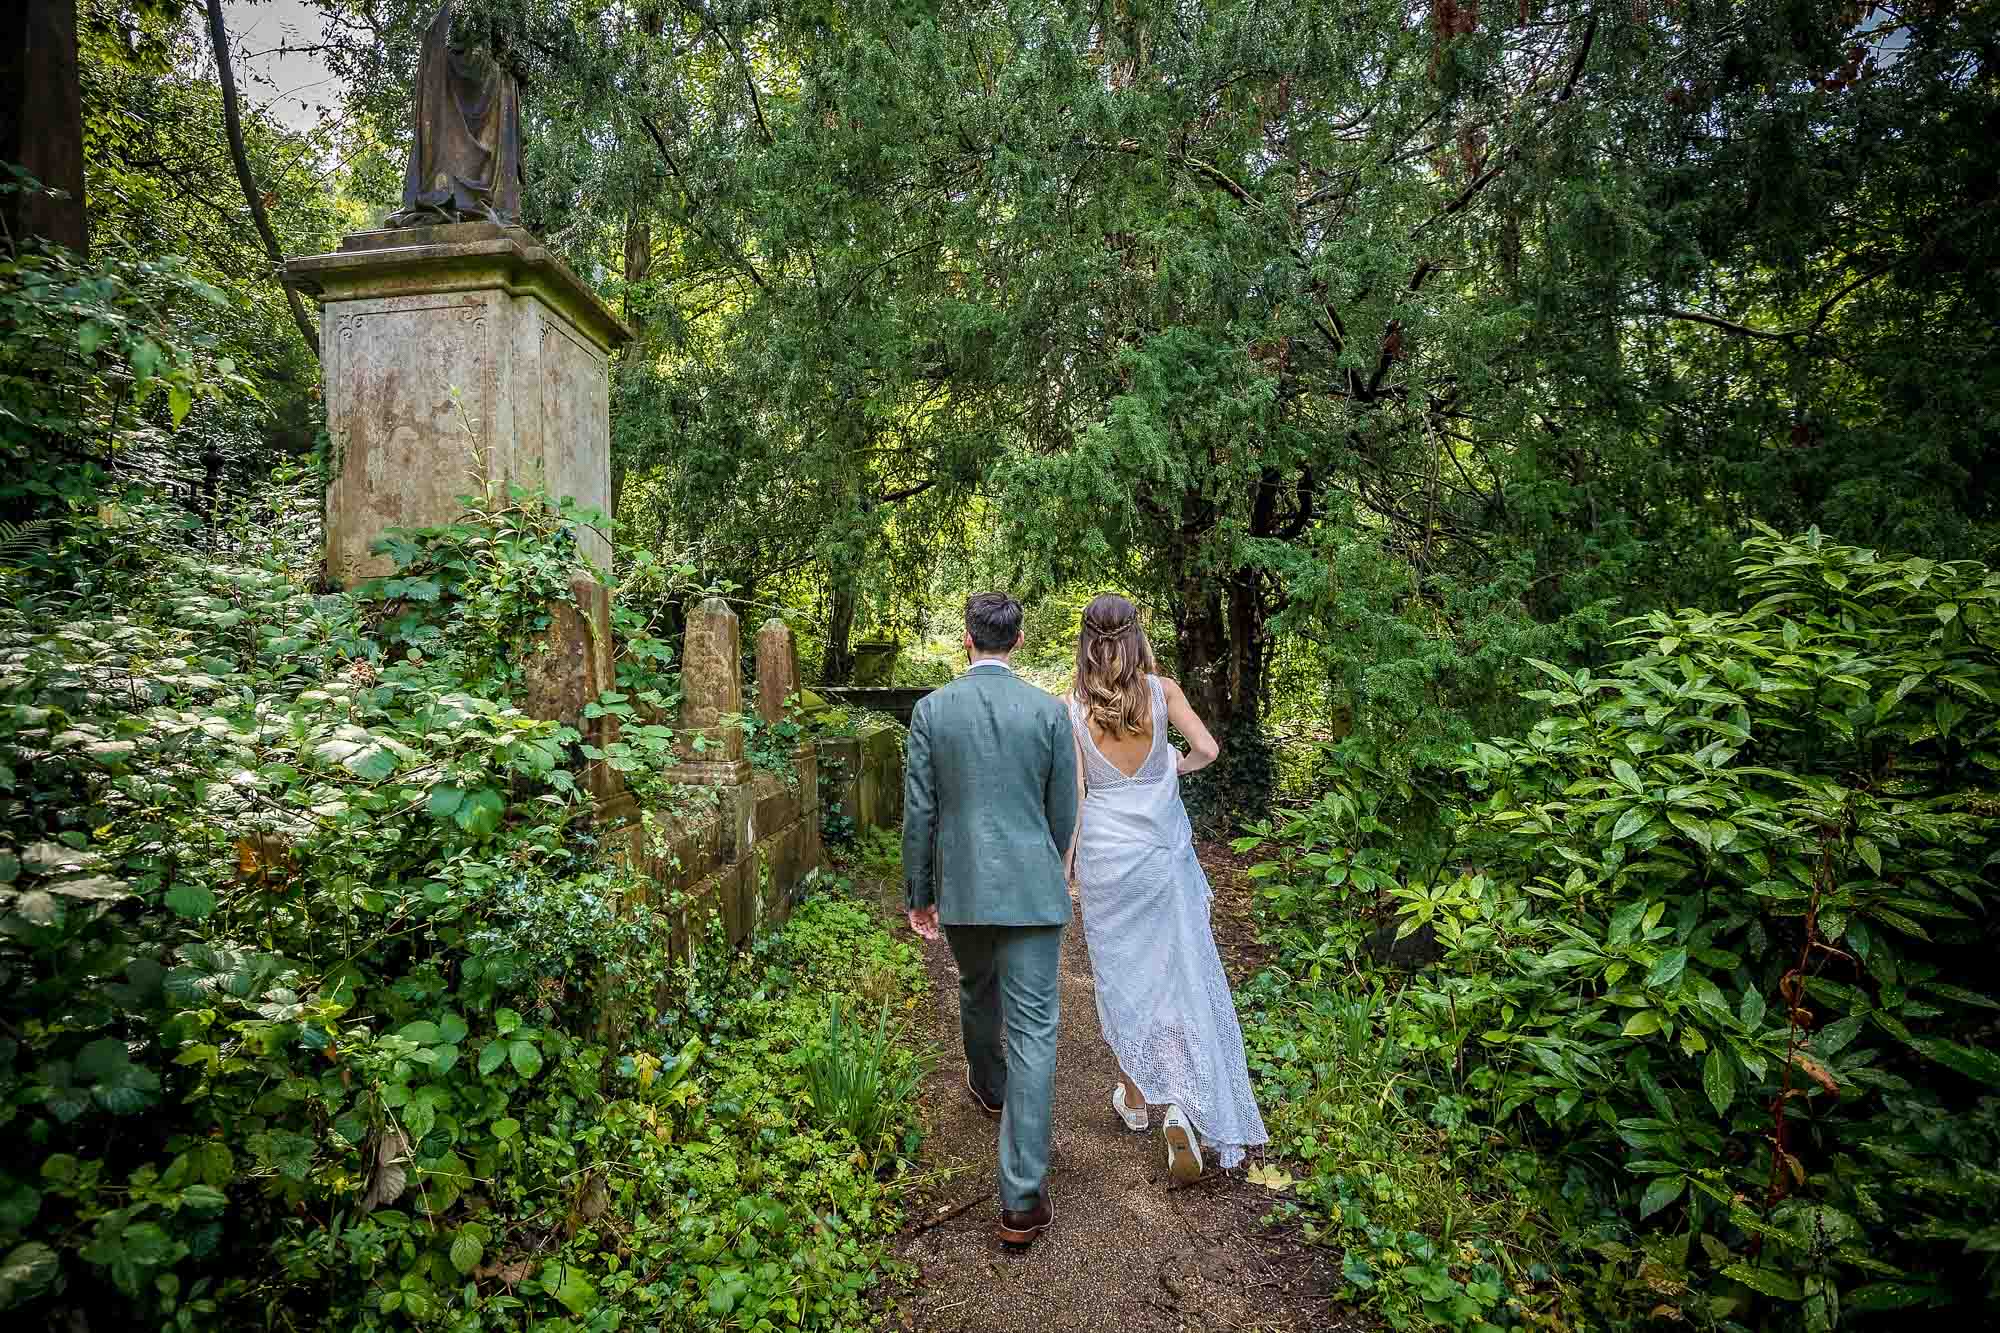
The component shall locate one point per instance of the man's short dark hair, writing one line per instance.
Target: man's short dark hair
(993, 619)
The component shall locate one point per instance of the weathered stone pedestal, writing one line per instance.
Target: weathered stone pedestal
(456, 358)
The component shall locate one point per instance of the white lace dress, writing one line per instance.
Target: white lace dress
(1162, 997)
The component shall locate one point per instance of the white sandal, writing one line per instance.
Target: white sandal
(1183, 1149)
(1136, 1121)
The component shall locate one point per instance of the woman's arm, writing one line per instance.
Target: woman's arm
(1202, 748)
(1069, 858)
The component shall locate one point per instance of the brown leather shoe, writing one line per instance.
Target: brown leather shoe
(979, 1099)
(1025, 1227)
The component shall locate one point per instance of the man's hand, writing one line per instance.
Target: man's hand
(924, 921)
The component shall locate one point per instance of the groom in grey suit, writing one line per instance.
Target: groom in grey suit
(989, 807)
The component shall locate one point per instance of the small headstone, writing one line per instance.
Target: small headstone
(777, 670)
(712, 682)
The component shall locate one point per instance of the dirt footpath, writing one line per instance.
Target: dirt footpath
(1127, 1254)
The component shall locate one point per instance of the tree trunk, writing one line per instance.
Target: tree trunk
(233, 124)
(638, 263)
(41, 121)
(1201, 643)
(1248, 651)
(839, 662)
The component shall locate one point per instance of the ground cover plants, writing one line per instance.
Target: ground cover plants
(323, 1005)
(1708, 946)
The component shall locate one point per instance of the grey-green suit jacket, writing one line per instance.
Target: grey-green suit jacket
(989, 802)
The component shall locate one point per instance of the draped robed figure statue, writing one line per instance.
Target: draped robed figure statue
(465, 150)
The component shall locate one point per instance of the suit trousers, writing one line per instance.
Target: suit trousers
(1009, 998)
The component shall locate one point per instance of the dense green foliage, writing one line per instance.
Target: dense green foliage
(1374, 347)
(1415, 366)
(1711, 938)
(325, 1006)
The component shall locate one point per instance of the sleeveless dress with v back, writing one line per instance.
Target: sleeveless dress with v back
(1162, 997)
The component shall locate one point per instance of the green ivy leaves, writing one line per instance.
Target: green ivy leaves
(477, 812)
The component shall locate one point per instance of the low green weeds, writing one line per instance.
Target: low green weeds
(854, 1081)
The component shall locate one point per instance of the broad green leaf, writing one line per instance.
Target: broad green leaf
(26, 1272)
(1767, 1281)
(481, 812)
(1718, 1080)
(574, 1290)
(19, 1202)
(194, 901)
(1668, 969)
(444, 801)
(527, 1061)
(1975, 1062)
(1643, 1023)
(1629, 823)
(1627, 774)
(492, 1056)
(1892, 1296)
(1822, 1308)
(1661, 1193)
(465, 1252)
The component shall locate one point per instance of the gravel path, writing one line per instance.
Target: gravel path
(1127, 1253)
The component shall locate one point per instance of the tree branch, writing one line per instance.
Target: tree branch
(1507, 159)
(1726, 325)
(233, 124)
(736, 53)
(687, 214)
(894, 497)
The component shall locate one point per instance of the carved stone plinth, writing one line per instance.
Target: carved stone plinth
(454, 357)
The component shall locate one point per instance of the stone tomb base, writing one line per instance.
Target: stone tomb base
(742, 859)
(456, 358)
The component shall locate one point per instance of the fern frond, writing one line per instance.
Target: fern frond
(18, 541)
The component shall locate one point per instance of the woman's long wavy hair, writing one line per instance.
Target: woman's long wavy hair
(1113, 658)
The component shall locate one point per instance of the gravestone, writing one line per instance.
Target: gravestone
(711, 690)
(777, 670)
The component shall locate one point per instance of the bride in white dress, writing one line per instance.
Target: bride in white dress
(1162, 998)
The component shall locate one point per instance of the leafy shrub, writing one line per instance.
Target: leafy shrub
(100, 362)
(323, 1006)
(1234, 789)
(1424, 1203)
(1716, 944)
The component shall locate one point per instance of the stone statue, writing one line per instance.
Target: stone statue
(465, 162)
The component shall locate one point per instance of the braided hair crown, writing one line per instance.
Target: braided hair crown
(1113, 660)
